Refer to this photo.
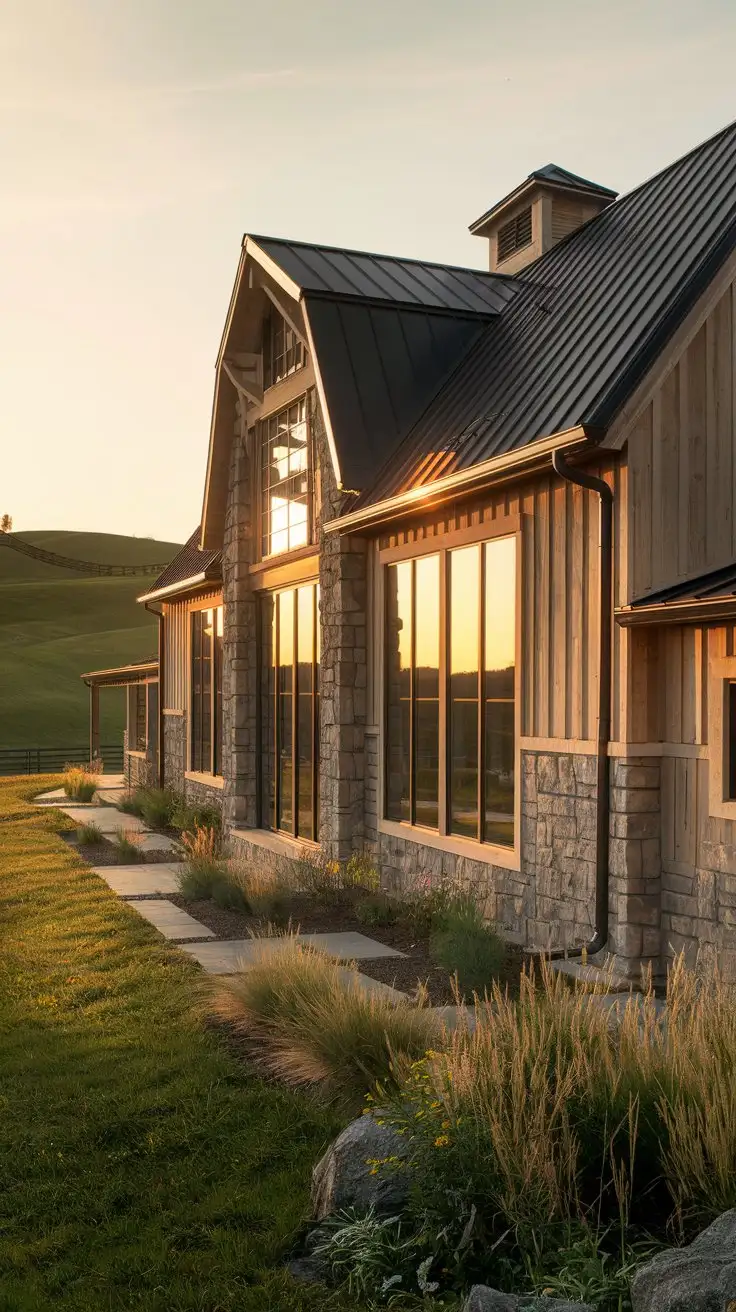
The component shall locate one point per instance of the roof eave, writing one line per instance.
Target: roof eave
(185, 585)
(677, 612)
(510, 464)
(119, 672)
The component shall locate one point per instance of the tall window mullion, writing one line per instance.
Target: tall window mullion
(293, 699)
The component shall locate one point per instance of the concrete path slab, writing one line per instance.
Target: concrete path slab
(107, 818)
(152, 842)
(50, 798)
(171, 921)
(110, 795)
(374, 986)
(141, 880)
(230, 956)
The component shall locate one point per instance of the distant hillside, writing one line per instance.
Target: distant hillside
(55, 624)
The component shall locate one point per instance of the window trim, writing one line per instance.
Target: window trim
(257, 474)
(508, 858)
(202, 603)
(721, 674)
(265, 812)
(271, 315)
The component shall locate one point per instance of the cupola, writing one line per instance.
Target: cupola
(548, 205)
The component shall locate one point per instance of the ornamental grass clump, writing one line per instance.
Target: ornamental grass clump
(308, 1021)
(205, 867)
(157, 806)
(79, 782)
(127, 843)
(332, 881)
(556, 1139)
(90, 835)
(466, 946)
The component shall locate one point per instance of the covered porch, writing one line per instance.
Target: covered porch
(141, 748)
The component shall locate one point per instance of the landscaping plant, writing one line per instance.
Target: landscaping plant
(127, 844)
(466, 946)
(308, 1022)
(204, 863)
(156, 806)
(90, 835)
(79, 783)
(190, 816)
(332, 881)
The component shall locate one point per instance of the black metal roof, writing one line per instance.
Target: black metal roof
(705, 587)
(332, 271)
(380, 365)
(595, 312)
(187, 564)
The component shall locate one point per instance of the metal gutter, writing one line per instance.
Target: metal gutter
(465, 480)
(196, 580)
(119, 671)
(605, 602)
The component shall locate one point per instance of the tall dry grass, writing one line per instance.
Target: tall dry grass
(309, 1022)
(80, 781)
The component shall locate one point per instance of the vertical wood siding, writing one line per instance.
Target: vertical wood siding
(176, 627)
(559, 620)
(681, 461)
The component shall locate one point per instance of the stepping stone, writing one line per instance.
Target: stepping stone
(107, 818)
(111, 795)
(50, 798)
(233, 955)
(171, 921)
(151, 842)
(141, 880)
(374, 986)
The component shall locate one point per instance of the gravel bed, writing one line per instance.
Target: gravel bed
(107, 854)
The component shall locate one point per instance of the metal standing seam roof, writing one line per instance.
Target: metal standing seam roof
(188, 563)
(595, 312)
(332, 271)
(706, 587)
(554, 176)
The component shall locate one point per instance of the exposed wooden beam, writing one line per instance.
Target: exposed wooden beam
(245, 380)
(289, 310)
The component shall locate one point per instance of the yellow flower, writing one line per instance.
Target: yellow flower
(441, 1141)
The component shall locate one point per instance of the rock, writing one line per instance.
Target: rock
(483, 1299)
(309, 1267)
(342, 1178)
(699, 1278)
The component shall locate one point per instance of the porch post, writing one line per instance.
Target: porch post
(94, 721)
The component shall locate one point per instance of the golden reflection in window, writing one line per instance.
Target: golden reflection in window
(285, 480)
(464, 690)
(289, 712)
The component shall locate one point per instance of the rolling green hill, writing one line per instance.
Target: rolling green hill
(55, 624)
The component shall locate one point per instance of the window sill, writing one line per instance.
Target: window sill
(140, 756)
(279, 844)
(209, 780)
(508, 858)
(284, 558)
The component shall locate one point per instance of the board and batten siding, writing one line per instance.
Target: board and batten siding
(681, 460)
(176, 661)
(559, 620)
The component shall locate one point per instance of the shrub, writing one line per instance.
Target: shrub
(466, 946)
(377, 910)
(80, 784)
(127, 844)
(372, 1256)
(189, 816)
(156, 806)
(329, 880)
(89, 835)
(132, 803)
(311, 1023)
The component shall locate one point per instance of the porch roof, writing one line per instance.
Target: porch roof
(190, 568)
(122, 675)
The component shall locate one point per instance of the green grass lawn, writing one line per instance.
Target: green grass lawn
(55, 624)
(141, 1165)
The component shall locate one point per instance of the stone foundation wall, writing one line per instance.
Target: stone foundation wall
(635, 864)
(699, 909)
(175, 747)
(137, 771)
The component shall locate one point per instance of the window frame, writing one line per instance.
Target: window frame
(292, 341)
(214, 773)
(507, 857)
(721, 748)
(270, 813)
(265, 533)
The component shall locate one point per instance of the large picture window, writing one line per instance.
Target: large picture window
(291, 711)
(285, 480)
(206, 698)
(450, 748)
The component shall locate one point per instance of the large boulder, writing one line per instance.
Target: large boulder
(699, 1278)
(483, 1299)
(347, 1176)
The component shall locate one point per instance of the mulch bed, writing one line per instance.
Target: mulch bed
(107, 854)
(404, 973)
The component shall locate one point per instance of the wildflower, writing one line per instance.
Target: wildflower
(441, 1141)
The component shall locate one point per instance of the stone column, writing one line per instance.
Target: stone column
(343, 672)
(240, 656)
(635, 863)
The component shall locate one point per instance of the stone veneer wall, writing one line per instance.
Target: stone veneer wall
(699, 904)
(240, 649)
(174, 751)
(343, 670)
(635, 864)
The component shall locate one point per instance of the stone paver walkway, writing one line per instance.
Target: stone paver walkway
(171, 921)
(107, 818)
(229, 956)
(141, 880)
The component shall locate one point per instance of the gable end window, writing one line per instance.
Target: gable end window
(450, 735)
(285, 480)
(515, 234)
(206, 692)
(283, 351)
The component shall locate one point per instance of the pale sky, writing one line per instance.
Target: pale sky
(139, 139)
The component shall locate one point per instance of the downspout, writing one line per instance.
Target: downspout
(161, 673)
(605, 601)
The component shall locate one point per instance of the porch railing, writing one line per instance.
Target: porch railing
(51, 760)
